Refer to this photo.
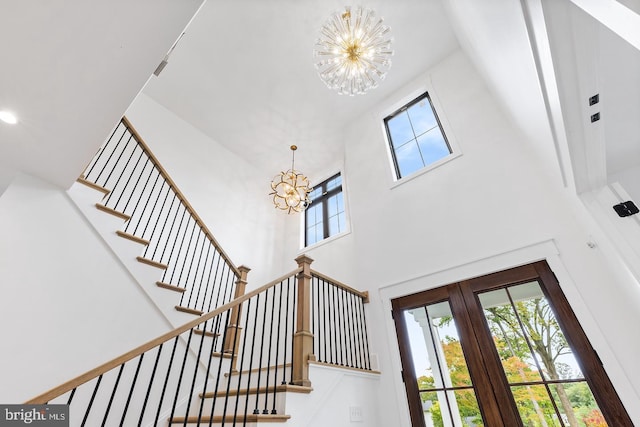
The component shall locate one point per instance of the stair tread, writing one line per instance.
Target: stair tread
(206, 333)
(132, 238)
(113, 212)
(170, 287)
(151, 262)
(258, 390)
(93, 185)
(229, 418)
(189, 310)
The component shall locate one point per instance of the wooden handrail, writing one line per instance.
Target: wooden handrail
(181, 196)
(362, 294)
(94, 373)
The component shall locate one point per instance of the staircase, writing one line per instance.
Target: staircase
(234, 358)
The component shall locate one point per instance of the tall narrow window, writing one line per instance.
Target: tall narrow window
(325, 216)
(416, 136)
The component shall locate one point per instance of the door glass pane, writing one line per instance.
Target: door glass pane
(576, 404)
(444, 384)
(545, 378)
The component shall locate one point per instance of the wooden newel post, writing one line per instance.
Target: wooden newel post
(303, 337)
(233, 330)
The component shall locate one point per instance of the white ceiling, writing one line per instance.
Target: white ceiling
(243, 74)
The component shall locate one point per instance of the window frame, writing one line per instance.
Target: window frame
(443, 122)
(323, 198)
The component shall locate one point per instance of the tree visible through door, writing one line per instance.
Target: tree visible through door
(501, 350)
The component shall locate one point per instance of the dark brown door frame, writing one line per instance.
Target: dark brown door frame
(495, 401)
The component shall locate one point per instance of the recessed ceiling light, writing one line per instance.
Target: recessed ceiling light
(8, 117)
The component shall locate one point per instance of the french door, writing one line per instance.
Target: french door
(501, 350)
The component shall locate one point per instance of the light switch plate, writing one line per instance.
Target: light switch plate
(355, 414)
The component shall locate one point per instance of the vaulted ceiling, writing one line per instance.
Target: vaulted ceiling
(243, 74)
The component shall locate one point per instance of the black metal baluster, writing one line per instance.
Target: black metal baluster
(73, 392)
(111, 155)
(93, 396)
(313, 315)
(360, 332)
(366, 337)
(253, 346)
(233, 357)
(153, 209)
(336, 321)
(195, 276)
(207, 281)
(186, 252)
(286, 334)
(196, 365)
(325, 315)
(146, 204)
(184, 363)
(264, 322)
(215, 392)
(226, 272)
(144, 187)
(347, 328)
(173, 222)
(133, 191)
(354, 330)
(133, 385)
(155, 242)
(113, 393)
(266, 397)
(107, 181)
(166, 379)
(242, 351)
(186, 280)
(151, 380)
(116, 190)
(215, 277)
(101, 152)
(169, 260)
(293, 324)
(206, 376)
(275, 375)
(114, 187)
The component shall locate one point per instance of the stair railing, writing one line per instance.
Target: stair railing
(159, 216)
(338, 323)
(262, 346)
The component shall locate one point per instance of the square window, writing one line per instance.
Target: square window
(325, 215)
(416, 137)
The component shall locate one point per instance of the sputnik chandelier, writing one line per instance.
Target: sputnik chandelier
(353, 52)
(291, 189)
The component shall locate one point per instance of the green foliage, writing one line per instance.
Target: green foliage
(532, 326)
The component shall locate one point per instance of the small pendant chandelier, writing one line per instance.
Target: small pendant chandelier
(291, 189)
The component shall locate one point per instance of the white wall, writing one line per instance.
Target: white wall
(67, 304)
(630, 180)
(494, 199)
(227, 193)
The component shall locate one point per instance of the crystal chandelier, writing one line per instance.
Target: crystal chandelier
(353, 52)
(291, 189)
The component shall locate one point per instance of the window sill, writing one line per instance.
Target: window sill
(424, 170)
(325, 241)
